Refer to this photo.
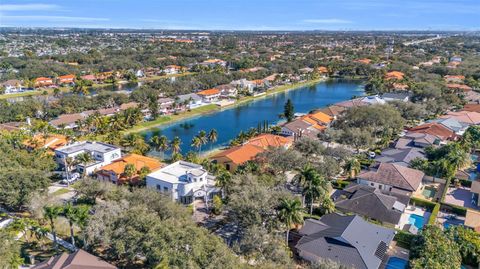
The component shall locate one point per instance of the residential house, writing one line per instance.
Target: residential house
(172, 69)
(102, 154)
(11, 126)
(472, 220)
(43, 82)
(91, 78)
(465, 117)
(348, 240)
(66, 79)
(393, 178)
(455, 59)
(472, 108)
(396, 96)
(309, 125)
(363, 61)
(418, 140)
(372, 203)
(435, 129)
(210, 95)
(399, 86)
(114, 172)
(243, 84)
(236, 156)
(459, 87)
(454, 79)
(394, 75)
(400, 156)
(165, 105)
(227, 91)
(11, 86)
(452, 124)
(333, 111)
(475, 191)
(50, 142)
(184, 181)
(214, 62)
(191, 100)
(373, 100)
(352, 103)
(79, 259)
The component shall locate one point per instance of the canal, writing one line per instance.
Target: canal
(230, 122)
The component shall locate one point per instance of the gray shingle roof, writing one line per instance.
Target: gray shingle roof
(348, 240)
(372, 203)
(395, 175)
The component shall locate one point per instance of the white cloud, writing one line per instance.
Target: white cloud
(52, 18)
(327, 21)
(28, 7)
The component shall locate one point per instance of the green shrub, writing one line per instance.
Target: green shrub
(465, 183)
(217, 205)
(340, 184)
(458, 210)
(404, 239)
(423, 203)
(433, 216)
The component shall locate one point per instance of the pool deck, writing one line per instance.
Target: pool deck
(443, 217)
(395, 251)
(410, 210)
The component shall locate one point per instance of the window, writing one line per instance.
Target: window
(159, 187)
(371, 184)
(227, 166)
(165, 189)
(380, 187)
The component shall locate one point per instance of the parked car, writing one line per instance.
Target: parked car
(73, 177)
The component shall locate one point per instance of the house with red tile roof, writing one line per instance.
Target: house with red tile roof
(43, 82)
(309, 125)
(114, 172)
(236, 156)
(363, 61)
(210, 95)
(454, 79)
(466, 117)
(66, 79)
(472, 108)
(394, 75)
(435, 129)
(460, 87)
(50, 142)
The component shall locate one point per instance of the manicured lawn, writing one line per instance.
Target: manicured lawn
(61, 191)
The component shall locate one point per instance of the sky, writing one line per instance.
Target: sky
(244, 14)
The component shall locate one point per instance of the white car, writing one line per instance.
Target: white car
(371, 154)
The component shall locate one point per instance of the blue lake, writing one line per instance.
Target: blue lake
(230, 122)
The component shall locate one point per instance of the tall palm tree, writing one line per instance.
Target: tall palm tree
(290, 213)
(69, 162)
(306, 174)
(70, 213)
(129, 171)
(85, 159)
(175, 145)
(328, 205)
(224, 180)
(160, 144)
(51, 213)
(212, 137)
(353, 167)
(196, 143)
(202, 135)
(81, 217)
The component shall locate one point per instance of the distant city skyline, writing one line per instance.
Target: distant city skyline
(265, 15)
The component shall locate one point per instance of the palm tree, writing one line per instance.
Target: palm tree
(84, 158)
(175, 145)
(202, 135)
(196, 143)
(224, 180)
(290, 213)
(51, 213)
(328, 205)
(212, 137)
(353, 167)
(301, 179)
(81, 217)
(129, 171)
(160, 144)
(69, 163)
(70, 213)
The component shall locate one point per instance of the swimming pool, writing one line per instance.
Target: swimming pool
(396, 263)
(416, 220)
(429, 192)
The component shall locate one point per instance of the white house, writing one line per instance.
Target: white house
(12, 86)
(193, 99)
(244, 84)
(184, 181)
(102, 154)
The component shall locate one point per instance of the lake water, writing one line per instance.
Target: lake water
(230, 122)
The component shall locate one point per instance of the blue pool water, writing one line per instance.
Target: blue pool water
(416, 220)
(396, 263)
